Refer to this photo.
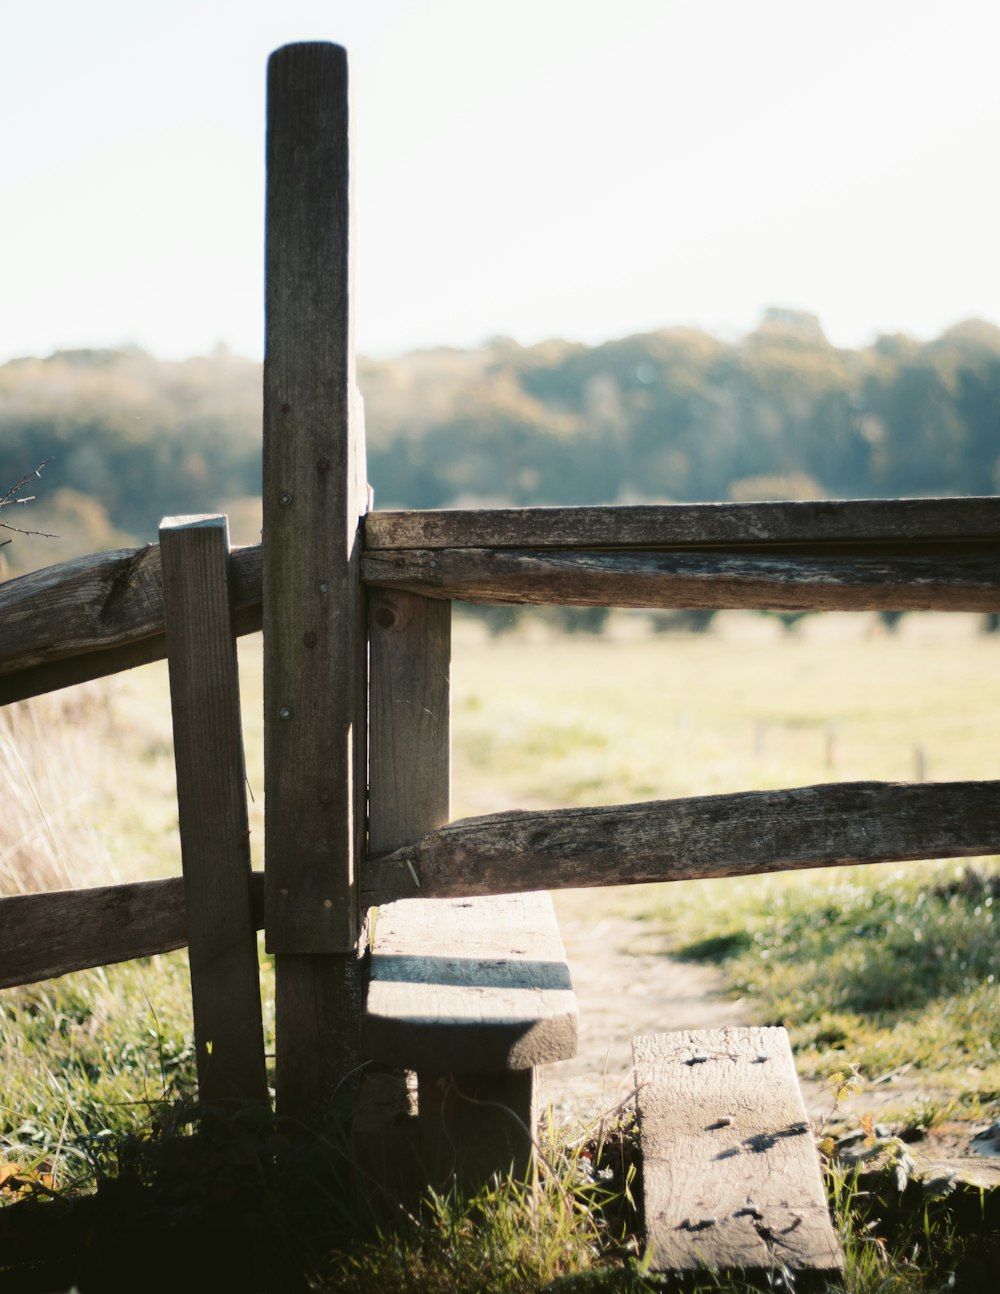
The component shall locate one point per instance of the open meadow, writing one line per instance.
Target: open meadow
(886, 969)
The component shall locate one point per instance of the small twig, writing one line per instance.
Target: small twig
(12, 497)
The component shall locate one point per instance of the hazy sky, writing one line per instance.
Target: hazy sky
(580, 168)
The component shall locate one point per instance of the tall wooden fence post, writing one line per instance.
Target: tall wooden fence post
(212, 807)
(314, 648)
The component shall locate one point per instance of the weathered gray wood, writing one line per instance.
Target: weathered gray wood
(470, 985)
(315, 681)
(705, 836)
(410, 760)
(43, 936)
(472, 1127)
(676, 524)
(314, 495)
(469, 1124)
(212, 809)
(99, 615)
(949, 577)
(319, 1003)
(730, 1174)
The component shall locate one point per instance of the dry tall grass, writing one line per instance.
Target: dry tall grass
(49, 824)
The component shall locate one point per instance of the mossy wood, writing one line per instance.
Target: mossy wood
(212, 809)
(730, 1174)
(701, 837)
(43, 936)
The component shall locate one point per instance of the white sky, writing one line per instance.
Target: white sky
(577, 168)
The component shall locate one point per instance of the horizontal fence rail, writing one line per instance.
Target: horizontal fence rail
(698, 838)
(948, 577)
(43, 936)
(681, 524)
(99, 615)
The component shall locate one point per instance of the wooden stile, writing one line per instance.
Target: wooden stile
(473, 985)
(211, 802)
(705, 836)
(472, 994)
(314, 649)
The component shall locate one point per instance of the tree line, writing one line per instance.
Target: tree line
(674, 414)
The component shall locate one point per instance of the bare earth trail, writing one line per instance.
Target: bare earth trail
(626, 985)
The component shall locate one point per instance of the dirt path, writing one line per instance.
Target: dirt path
(626, 984)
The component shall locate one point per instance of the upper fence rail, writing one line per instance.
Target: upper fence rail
(101, 614)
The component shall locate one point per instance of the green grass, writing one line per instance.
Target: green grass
(876, 968)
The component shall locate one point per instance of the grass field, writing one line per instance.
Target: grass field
(876, 967)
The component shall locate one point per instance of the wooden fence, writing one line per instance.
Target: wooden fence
(355, 610)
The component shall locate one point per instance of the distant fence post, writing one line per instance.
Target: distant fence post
(314, 652)
(212, 807)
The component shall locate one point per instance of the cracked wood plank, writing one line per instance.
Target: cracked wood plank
(944, 577)
(730, 1174)
(704, 836)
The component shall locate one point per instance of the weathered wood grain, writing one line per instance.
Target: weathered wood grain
(953, 577)
(315, 681)
(314, 495)
(705, 836)
(409, 718)
(212, 809)
(672, 525)
(445, 997)
(99, 615)
(730, 1174)
(43, 936)
(470, 985)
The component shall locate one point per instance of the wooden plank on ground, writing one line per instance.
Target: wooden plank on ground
(676, 524)
(212, 809)
(705, 836)
(315, 729)
(470, 986)
(945, 577)
(43, 936)
(730, 1173)
(99, 615)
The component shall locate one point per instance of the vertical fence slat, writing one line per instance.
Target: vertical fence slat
(211, 798)
(410, 730)
(314, 663)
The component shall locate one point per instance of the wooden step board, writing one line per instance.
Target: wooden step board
(472, 994)
(730, 1172)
